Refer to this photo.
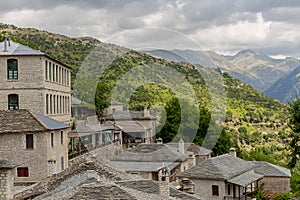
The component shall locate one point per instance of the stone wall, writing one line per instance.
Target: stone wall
(203, 188)
(13, 148)
(6, 184)
(275, 184)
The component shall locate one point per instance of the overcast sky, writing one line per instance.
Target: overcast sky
(224, 26)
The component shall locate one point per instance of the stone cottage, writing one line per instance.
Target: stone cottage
(33, 80)
(223, 177)
(146, 160)
(37, 144)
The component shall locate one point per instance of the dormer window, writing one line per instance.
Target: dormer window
(12, 69)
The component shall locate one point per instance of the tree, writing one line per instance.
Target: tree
(294, 123)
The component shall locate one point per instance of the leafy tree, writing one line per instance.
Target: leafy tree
(101, 96)
(294, 123)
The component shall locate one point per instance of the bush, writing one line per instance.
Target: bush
(283, 196)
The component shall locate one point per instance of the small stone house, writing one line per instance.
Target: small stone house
(32, 80)
(276, 178)
(146, 160)
(37, 144)
(137, 127)
(223, 177)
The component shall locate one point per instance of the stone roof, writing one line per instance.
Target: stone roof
(151, 153)
(130, 126)
(19, 121)
(246, 178)
(16, 49)
(127, 115)
(268, 169)
(76, 101)
(197, 150)
(152, 187)
(4, 164)
(222, 167)
(137, 166)
(49, 123)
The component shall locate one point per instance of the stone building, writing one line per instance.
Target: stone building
(146, 160)
(37, 144)
(33, 80)
(223, 177)
(137, 127)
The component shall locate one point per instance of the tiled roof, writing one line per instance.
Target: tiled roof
(16, 121)
(268, 169)
(6, 164)
(137, 166)
(222, 167)
(151, 153)
(18, 49)
(127, 115)
(197, 150)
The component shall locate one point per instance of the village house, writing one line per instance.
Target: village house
(37, 144)
(229, 177)
(137, 127)
(223, 177)
(33, 80)
(146, 160)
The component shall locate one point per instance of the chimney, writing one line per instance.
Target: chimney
(164, 179)
(159, 141)
(233, 151)
(146, 112)
(5, 44)
(6, 179)
(181, 146)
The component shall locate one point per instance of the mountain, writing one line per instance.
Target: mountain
(286, 88)
(257, 69)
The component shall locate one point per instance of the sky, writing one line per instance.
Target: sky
(224, 26)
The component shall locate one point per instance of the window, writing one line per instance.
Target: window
(53, 72)
(50, 71)
(62, 163)
(47, 103)
(62, 137)
(228, 189)
(52, 139)
(12, 69)
(29, 141)
(22, 172)
(13, 102)
(56, 73)
(46, 69)
(215, 190)
(50, 103)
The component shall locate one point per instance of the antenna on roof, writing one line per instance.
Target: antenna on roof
(27, 39)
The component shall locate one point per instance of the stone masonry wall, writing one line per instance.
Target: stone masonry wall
(6, 184)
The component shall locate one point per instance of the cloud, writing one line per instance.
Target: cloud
(218, 25)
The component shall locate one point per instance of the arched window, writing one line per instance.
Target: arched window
(12, 69)
(13, 102)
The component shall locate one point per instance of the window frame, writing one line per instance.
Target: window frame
(28, 144)
(52, 139)
(15, 106)
(215, 190)
(22, 172)
(12, 71)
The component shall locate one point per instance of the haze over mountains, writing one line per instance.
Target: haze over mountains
(264, 73)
